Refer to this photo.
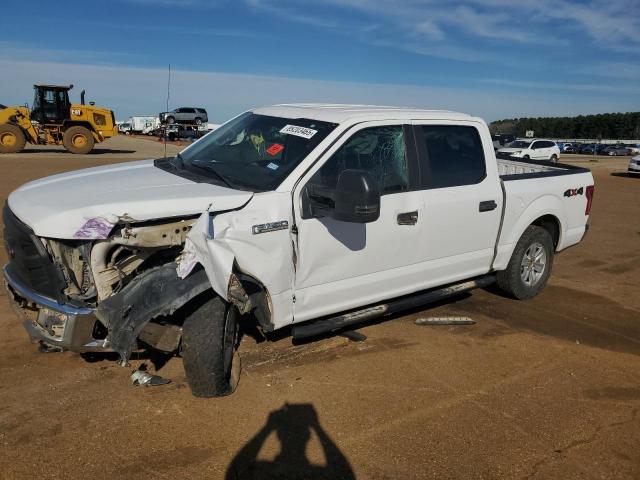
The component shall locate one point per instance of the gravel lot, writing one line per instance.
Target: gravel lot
(548, 388)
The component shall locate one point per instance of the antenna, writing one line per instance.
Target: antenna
(166, 110)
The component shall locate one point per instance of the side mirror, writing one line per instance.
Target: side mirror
(357, 197)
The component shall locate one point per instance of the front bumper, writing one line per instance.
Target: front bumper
(634, 168)
(53, 323)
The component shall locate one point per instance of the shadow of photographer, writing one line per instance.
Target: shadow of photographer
(293, 425)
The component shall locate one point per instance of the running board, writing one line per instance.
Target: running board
(332, 324)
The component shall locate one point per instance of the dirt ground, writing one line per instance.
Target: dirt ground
(548, 388)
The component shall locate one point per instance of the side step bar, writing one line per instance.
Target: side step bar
(338, 322)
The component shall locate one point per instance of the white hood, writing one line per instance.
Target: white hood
(60, 205)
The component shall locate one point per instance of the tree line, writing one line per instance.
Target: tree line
(614, 126)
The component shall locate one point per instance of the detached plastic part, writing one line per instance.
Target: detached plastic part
(140, 377)
(445, 321)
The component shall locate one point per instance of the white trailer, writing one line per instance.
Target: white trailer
(144, 125)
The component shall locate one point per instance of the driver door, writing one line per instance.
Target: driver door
(342, 265)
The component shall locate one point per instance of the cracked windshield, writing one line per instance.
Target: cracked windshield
(255, 152)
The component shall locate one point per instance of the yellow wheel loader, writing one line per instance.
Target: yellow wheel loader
(53, 120)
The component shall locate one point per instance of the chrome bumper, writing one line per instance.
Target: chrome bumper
(59, 325)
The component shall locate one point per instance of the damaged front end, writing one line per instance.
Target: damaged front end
(102, 294)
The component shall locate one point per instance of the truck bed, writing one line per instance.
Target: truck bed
(522, 169)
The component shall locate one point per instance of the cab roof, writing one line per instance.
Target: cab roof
(57, 87)
(339, 113)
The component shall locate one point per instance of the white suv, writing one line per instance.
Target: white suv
(536, 149)
(634, 165)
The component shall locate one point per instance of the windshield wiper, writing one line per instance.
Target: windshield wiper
(209, 168)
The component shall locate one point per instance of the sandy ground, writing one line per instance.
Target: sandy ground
(548, 388)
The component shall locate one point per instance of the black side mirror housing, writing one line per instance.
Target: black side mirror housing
(357, 197)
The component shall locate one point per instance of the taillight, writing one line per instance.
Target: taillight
(589, 194)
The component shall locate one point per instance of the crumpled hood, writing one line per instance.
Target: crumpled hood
(60, 205)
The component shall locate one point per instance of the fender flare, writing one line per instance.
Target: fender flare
(547, 205)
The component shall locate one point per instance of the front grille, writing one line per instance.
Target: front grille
(29, 262)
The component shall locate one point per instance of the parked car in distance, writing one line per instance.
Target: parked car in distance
(501, 139)
(634, 148)
(536, 149)
(634, 165)
(594, 148)
(616, 150)
(125, 128)
(185, 115)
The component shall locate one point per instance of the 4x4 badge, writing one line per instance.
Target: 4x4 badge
(572, 192)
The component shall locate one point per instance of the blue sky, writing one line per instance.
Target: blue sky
(493, 58)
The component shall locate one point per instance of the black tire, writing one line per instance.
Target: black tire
(171, 120)
(210, 334)
(554, 158)
(198, 121)
(526, 157)
(78, 140)
(511, 281)
(12, 139)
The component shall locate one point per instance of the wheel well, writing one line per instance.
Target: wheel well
(551, 225)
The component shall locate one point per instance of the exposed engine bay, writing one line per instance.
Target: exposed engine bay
(130, 284)
(96, 270)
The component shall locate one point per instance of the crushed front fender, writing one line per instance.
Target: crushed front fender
(156, 292)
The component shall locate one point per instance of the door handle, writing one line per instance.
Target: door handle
(487, 206)
(408, 218)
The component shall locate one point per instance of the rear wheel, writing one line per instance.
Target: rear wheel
(78, 140)
(554, 158)
(12, 139)
(530, 264)
(210, 334)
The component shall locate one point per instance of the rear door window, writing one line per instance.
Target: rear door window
(450, 156)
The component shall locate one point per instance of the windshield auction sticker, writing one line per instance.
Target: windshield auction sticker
(303, 132)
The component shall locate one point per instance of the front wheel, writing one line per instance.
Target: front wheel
(171, 120)
(554, 158)
(12, 140)
(210, 335)
(526, 157)
(198, 121)
(530, 265)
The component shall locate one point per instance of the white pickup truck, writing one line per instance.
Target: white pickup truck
(316, 216)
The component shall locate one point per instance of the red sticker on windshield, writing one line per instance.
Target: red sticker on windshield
(275, 149)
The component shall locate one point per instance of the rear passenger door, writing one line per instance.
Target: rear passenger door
(462, 202)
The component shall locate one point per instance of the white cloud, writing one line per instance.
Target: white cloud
(142, 91)
(554, 86)
(610, 24)
(624, 70)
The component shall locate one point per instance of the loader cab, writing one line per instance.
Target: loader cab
(51, 104)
